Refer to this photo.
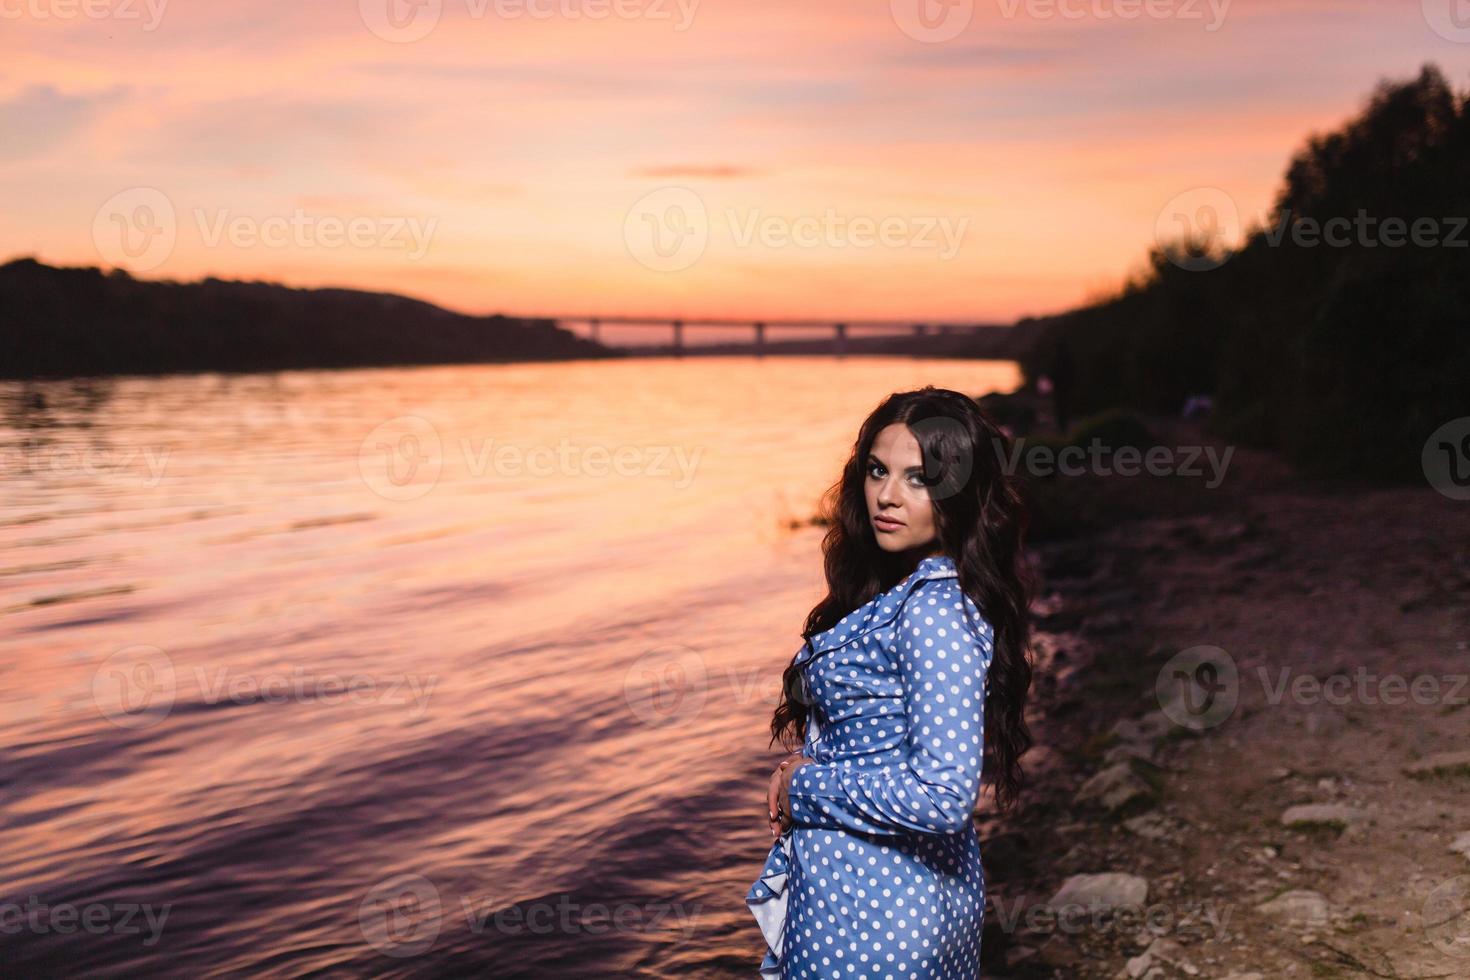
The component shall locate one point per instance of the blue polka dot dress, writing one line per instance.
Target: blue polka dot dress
(879, 875)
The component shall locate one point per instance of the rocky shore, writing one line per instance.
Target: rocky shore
(1253, 735)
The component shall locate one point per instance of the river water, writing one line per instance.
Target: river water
(418, 672)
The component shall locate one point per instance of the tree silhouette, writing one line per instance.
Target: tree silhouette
(1345, 353)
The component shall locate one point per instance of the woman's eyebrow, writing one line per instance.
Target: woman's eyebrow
(916, 468)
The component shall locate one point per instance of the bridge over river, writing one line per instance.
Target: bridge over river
(839, 331)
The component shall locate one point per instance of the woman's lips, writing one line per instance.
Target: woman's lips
(887, 523)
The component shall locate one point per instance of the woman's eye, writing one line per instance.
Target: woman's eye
(917, 480)
(876, 470)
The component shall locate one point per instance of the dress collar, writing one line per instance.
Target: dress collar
(878, 611)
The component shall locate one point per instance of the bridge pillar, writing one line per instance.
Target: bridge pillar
(760, 340)
(841, 331)
(678, 338)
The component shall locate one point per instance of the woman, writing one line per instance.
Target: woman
(915, 667)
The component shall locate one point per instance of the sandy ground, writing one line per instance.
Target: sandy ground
(1344, 614)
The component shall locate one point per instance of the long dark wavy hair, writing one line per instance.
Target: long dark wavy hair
(980, 517)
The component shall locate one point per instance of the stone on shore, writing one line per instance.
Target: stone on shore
(1115, 788)
(1440, 764)
(1461, 845)
(1109, 890)
(1335, 815)
(1150, 826)
(1160, 953)
(1297, 907)
(1147, 728)
(1129, 751)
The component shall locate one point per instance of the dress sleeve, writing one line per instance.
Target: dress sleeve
(942, 658)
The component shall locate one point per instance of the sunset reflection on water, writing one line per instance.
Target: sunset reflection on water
(408, 671)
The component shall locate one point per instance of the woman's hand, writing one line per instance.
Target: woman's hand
(777, 803)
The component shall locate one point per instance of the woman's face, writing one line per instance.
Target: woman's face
(899, 509)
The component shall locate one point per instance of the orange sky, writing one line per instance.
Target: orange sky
(966, 160)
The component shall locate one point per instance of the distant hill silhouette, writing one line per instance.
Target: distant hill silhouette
(1345, 356)
(82, 321)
